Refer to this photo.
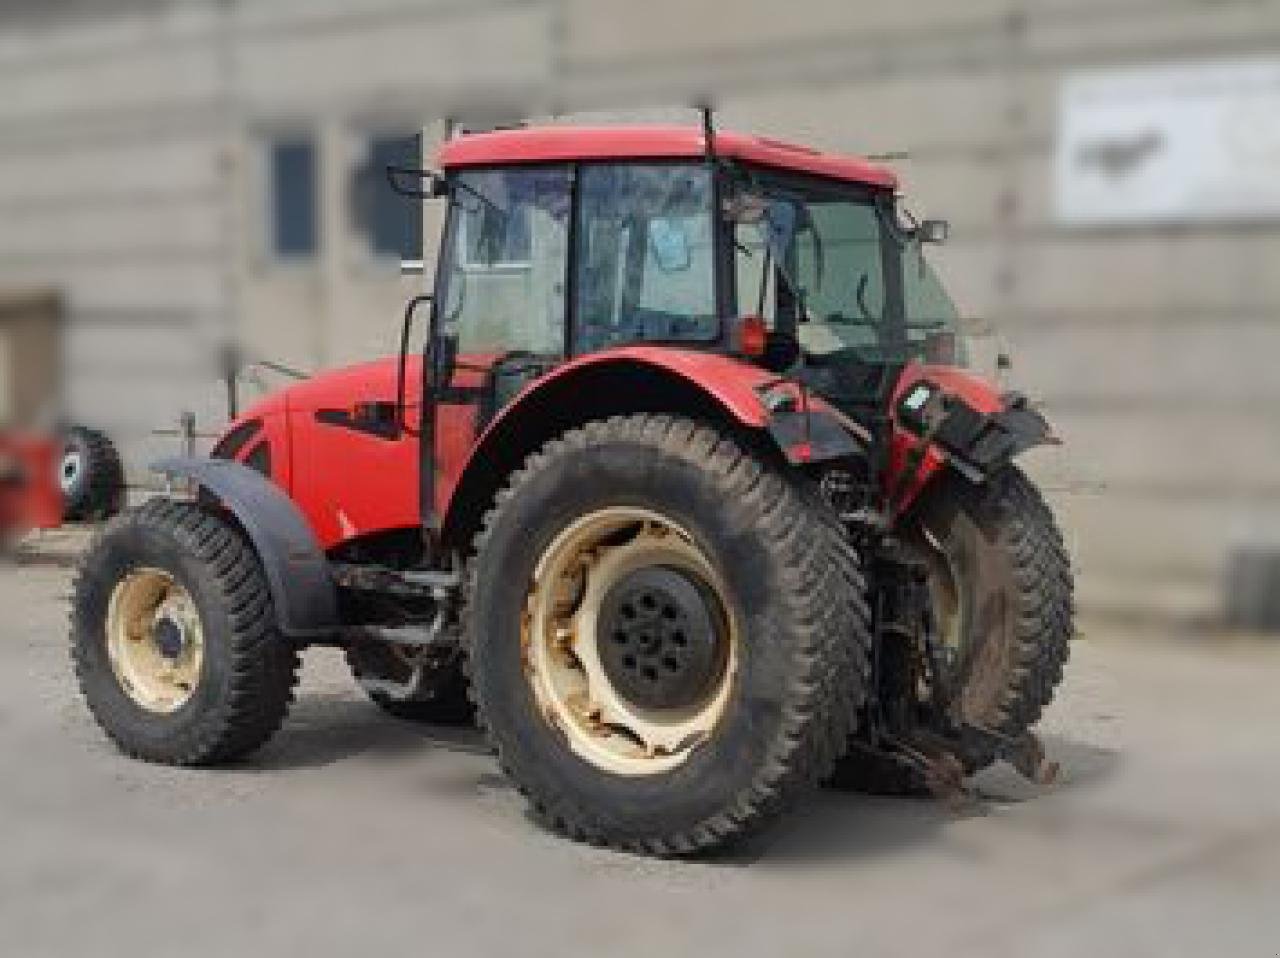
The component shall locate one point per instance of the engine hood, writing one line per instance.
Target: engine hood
(343, 387)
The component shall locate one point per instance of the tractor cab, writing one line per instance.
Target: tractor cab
(566, 241)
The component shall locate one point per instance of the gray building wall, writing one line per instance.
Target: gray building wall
(131, 180)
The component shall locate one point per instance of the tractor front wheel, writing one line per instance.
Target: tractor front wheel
(174, 641)
(668, 638)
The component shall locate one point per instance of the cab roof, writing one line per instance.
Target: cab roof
(550, 144)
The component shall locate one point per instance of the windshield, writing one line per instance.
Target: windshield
(836, 269)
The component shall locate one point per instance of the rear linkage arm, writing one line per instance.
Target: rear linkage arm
(927, 740)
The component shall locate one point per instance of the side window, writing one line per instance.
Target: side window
(848, 233)
(756, 274)
(645, 255)
(929, 308)
(849, 292)
(506, 255)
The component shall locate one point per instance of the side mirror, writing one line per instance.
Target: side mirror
(670, 245)
(416, 184)
(933, 231)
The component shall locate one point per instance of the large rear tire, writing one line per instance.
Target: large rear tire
(174, 641)
(1016, 610)
(668, 638)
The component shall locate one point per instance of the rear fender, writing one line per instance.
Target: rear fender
(298, 574)
(636, 379)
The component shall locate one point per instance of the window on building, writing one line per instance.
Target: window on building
(390, 223)
(293, 198)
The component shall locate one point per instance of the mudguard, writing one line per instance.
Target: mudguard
(302, 586)
(629, 379)
(943, 415)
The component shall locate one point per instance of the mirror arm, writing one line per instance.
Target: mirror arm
(398, 175)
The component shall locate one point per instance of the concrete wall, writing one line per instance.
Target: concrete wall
(127, 179)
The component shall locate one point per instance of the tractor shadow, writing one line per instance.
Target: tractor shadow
(838, 825)
(329, 728)
(833, 826)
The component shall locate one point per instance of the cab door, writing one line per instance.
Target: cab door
(500, 305)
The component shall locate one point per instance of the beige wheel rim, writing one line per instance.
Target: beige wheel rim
(154, 640)
(562, 642)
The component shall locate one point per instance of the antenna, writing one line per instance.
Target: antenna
(708, 129)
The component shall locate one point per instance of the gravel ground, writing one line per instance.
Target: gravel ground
(352, 832)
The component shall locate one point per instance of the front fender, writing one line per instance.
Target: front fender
(298, 574)
(944, 416)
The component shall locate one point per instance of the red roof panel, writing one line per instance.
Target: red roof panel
(549, 144)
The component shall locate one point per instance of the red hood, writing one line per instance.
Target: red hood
(373, 381)
(341, 388)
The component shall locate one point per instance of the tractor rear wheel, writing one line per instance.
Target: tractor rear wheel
(668, 638)
(1002, 592)
(174, 641)
(1001, 588)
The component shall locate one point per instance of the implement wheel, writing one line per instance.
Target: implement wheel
(90, 476)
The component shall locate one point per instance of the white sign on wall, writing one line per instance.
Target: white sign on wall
(1170, 144)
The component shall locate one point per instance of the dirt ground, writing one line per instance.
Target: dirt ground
(354, 833)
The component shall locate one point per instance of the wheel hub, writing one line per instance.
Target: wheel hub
(69, 472)
(169, 637)
(661, 638)
(154, 640)
(612, 599)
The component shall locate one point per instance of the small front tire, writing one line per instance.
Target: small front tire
(174, 641)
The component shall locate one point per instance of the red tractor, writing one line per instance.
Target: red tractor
(687, 496)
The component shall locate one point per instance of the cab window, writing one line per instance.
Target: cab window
(644, 255)
(506, 253)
